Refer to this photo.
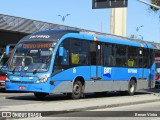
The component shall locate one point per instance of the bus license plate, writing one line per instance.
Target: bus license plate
(22, 87)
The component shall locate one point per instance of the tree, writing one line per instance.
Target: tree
(155, 2)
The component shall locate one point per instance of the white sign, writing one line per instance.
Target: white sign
(132, 70)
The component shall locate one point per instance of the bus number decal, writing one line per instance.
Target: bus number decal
(107, 72)
(132, 70)
(74, 70)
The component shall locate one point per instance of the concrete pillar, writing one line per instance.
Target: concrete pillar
(118, 21)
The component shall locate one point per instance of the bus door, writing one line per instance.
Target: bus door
(145, 56)
(153, 70)
(141, 65)
(96, 60)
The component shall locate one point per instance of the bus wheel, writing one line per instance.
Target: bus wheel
(131, 87)
(40, 95)
(77, 90)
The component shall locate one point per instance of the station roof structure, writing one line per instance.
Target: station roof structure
(12, 29)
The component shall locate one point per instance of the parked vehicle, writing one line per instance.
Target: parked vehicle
(75, 63)
(4, 58)
(157, 77)
(2, 79)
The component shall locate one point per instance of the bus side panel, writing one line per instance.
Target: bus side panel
(117, 79)
(118, 74)
(152, 76)
(142, 84)
(113, 79)
(100, 86)
(67, 78)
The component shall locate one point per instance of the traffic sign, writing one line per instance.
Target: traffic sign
(98, 4)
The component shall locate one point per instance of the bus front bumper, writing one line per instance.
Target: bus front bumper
(32, 87)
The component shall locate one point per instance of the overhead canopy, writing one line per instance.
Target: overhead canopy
(12, 29)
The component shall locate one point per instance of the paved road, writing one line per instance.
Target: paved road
(27, 102)
(149, 109)
(15, 98)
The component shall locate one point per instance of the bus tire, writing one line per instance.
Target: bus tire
(131, 87)
(77, 90)
(40, 95)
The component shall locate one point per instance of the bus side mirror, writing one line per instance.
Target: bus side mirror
(7, 50)
(61, 51)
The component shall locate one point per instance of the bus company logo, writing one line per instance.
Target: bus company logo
(6, 114)
(39, 36)
(107, 72)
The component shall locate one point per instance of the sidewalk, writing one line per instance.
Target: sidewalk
(50, 107)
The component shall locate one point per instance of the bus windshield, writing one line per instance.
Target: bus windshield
(32, 57)
(3, 61)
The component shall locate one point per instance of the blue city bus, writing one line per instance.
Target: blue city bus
(75, 63)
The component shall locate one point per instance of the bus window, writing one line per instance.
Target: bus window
(93, 49)
(79, 52)
(121, 55)
(108, 53)
(144, 58)
(132, 57)
(25, 61)
(62, 60)
(65, 58)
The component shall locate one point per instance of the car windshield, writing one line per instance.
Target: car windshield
(32, 57)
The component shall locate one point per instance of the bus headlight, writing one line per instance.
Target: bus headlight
(42, 80)
(7, 79)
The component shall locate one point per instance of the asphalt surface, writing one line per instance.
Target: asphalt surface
(56, 104)
(18, 98)
(146, 111)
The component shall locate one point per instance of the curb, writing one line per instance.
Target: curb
(47, 113)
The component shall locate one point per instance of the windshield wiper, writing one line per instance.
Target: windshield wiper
(38, 68)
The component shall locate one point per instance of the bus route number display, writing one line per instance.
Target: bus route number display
(37, 45)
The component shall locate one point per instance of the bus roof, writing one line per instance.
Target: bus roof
(124, 40)
(50, 35)
(54, 35)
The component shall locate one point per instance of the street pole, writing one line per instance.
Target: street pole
(118, 21)
(63, 17)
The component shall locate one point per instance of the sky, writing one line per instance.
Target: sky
(83, 16)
